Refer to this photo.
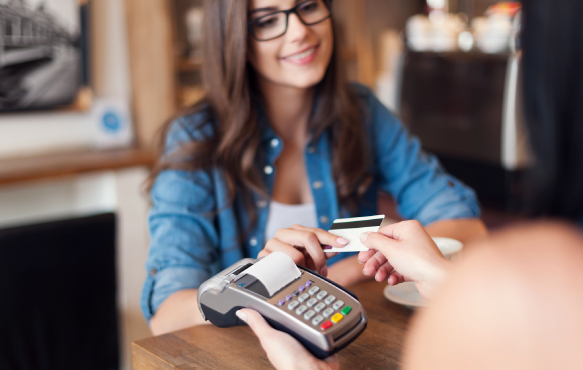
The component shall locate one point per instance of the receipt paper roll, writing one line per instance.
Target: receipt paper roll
(275, 271)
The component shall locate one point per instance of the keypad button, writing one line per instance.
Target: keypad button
(318, 319)
(327, 312)
(281, 302)
(303, 297)
(309, 283)
(338, 304)
(301, 309)
(330, 299)
(288, 297)
(326, 325)
(308, 315)
(293, 305)
(296, 293)
(346, 310)
(320, 306)
(337, 317)
(314, 290)
(302, 288)
(322, 294)
(312, 302)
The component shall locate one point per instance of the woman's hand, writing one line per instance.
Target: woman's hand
(304, 245)
(404, 252)
(282, 349)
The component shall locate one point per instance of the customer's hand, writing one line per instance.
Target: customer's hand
(304, 245)
(282, 349)
(404, 252)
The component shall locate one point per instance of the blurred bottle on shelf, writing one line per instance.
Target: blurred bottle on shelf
(441, 31)
(194, 19)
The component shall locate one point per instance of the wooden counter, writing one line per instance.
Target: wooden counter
(209, 347)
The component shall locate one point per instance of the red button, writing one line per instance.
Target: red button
(326, 325)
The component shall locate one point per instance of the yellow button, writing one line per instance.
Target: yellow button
(337, 317)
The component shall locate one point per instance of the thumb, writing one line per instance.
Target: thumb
(255, 321)
(379, 242)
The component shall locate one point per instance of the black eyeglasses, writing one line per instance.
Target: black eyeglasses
(274, 25)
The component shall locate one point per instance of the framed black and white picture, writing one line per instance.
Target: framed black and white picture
(43, 59)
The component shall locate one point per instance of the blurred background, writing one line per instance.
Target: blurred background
(85, 85)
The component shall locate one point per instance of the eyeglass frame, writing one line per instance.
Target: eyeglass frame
(327, 3)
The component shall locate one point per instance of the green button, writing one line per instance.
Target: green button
(346, 310)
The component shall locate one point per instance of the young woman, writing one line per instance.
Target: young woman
(515, 301)
(279, 141)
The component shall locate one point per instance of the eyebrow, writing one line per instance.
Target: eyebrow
(272, 8)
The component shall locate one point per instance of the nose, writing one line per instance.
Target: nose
(296, 30)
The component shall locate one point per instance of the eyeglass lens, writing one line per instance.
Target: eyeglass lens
(274, 25)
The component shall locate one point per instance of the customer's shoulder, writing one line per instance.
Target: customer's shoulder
(197, 124)
(361, 91)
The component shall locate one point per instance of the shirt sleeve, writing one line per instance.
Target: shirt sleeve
(422, 189)
(183, 237)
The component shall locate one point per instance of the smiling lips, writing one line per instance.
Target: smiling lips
(303, 57)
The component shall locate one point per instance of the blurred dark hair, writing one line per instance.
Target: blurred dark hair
(552, 44)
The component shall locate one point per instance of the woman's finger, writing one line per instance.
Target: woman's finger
(395, 278)
(366, 255)
(306, 239)
(326, 238)
(274, 245)
(256, 322)
(383, 272)
(373, 264)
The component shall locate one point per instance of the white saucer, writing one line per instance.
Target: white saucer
(405, 294)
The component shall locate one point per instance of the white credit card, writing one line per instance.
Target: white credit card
(351, 228)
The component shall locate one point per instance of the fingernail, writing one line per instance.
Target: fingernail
(363, 272)
(342, 241)
(375, 277)
(324, 271)
(364, 236)
(362, 263)
(327, 247)
(240, 314)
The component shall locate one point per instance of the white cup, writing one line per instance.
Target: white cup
(450, 248)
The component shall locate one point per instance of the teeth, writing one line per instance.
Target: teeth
(302, 55)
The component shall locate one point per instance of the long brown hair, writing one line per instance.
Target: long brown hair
(229, 105)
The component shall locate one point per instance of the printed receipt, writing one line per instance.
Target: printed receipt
(275, 271)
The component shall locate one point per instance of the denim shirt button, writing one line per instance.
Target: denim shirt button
(253, 241)
(324, 219)
(153, 272)
(262, 203)
(311, 149)
(274, 143)
(268, 170)
(318, 184)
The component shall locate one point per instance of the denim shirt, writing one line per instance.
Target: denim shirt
(191, 241)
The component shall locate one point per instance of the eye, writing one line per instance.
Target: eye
(309, 7)
(266, 22)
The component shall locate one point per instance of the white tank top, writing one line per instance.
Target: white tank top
(282, 216)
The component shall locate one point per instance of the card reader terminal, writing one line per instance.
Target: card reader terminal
(319, 313)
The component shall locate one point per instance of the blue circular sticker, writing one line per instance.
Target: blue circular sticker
(112, 121)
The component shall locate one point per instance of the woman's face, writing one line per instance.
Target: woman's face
(300, 57)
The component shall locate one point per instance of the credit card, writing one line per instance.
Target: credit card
(351, 228)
